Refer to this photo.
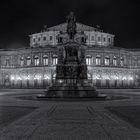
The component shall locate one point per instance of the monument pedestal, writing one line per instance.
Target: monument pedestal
(71, 74)
(71, 91)
(71, 70)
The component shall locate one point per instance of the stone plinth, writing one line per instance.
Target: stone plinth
(71, 91)
(71, 74)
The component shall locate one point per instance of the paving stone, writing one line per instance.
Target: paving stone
(69, 121)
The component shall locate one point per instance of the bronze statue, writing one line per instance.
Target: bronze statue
(71, 25)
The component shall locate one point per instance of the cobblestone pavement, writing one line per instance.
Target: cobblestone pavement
(69, 121)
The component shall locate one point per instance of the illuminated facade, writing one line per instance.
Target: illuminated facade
(34, 67)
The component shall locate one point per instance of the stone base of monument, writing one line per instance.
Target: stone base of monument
(72, 91)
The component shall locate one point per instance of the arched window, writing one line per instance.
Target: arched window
(109, 40)
(135, 62)
(44, 38)
(36, 60)
(60, 40)
(115, 61)
(107, 60)
(7, 62)
(121, 61)
(28, 61)
(92, 38)
(51, 38)
(99, 38)
(34, 40)
(83, 39)
(88, 60)
(39, 39)
(45, 60)
(21, 61)
(55, 59)
(98, 60)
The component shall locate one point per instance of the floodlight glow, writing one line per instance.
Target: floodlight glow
(97, 77)
(106, 78)
(12, 77)
(116, 78)
(130, 78)
(27, 77)
(124, 78)
(18, 78)
(60, 81)
(46, 77)
(37, 77)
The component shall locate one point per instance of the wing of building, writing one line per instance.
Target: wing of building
(34, 67)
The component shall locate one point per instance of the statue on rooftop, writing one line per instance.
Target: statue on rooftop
(71, 25)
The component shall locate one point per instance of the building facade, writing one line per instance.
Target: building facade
(35, 66)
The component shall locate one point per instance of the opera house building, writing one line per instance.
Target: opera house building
(35, 66)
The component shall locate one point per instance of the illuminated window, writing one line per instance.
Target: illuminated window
(88, 60)
(54, 76)
(98, 60)
(55, 59)
(21, 61)
(36, 59)
(28, 61)
(45, 60)
(89, 76)
(115, 61)
(107, 60)
(122, 61)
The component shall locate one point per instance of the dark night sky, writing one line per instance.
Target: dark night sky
(19, 18)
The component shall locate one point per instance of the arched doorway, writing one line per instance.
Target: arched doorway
(107, 83)
(98, 82)
(19, 82)
(37, 81)
(46, 81)
(27, 81)
(124, 82)
(12, 81)
(115, 83)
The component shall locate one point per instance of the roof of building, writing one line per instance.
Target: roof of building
(63, 27)
(80, 27)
